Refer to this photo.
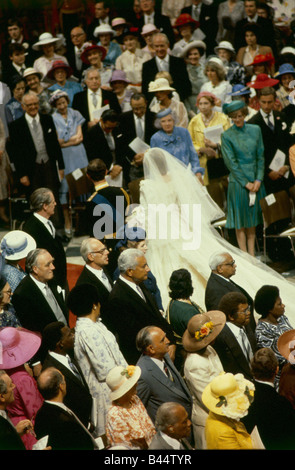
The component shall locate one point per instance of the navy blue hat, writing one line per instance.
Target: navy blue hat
(285, 68)
(239, 90)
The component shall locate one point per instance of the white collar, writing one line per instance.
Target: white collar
(171, 441)
(166, 58)
(130, 284)
(253, 20)
(264, 115)
(30, 119)
(39, 284)
(90, 92)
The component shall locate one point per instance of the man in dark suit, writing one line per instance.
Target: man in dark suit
(131, 307)
(15, 69)
(173, 428)
(139, 122)
(164, 61)
(236, 343)
(223, 267)
(58, 342)
(91, 100)
(15, 32)
(10, 436)
(275, 138)
(65, 431)
(267, 36)
(160, 381)
(34, 148)
(37, 299)
(206, 15)
(150, 15)
(272, 413)
(96, 257)
(74, 50)
(39, 225)
(103, 14)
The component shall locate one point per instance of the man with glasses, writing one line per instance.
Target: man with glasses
(236, 343)
(223, 267)
(78, 39)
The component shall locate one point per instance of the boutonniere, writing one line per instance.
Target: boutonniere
(207, 18)
(106, 102)
(25, 45)
(49, 130)
(59, 289)
(284, 126)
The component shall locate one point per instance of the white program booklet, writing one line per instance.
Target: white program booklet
(138, 145)
(213, 133)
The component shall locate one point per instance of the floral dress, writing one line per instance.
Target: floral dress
(126, 424)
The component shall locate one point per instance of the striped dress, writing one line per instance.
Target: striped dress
(243, 154)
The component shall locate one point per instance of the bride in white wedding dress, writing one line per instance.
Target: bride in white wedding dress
(176, 211)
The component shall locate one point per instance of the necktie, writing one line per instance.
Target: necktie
(167, 372)
(269, 123)
(246, 345)
(35, 125)
(51, 227)
(54, 305)
(94, 100)
(74, 368)
(139, 129)
(140, 292)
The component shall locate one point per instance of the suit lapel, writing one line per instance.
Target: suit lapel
(237, 352)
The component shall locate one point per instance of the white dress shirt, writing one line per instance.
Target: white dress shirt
(99, 274)
(91, 106)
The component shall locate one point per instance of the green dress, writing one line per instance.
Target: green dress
(243, 153)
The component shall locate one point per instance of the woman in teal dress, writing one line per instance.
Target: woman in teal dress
(243, 153)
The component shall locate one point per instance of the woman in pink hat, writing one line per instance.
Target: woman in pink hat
(147, 33)
(19, 346)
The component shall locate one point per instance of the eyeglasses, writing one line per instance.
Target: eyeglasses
(103, 250)
(228, 264)
(244, 312)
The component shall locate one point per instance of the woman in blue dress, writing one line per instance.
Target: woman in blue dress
(68, 123)
(177, 141)
(60, 72)
(243, 153)
(105, 35)
(14, 109)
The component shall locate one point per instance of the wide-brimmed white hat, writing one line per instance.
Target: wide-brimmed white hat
(31, 71)
(46, 38)
(224, 45)
(192, 45)
(104, 29)
(121, 379)
(160, 84)
(16, 245)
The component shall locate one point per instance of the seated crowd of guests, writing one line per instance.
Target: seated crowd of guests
(103, 364)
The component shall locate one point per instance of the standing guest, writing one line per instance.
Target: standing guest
(58, 346)
(7, 312)
(119, 84)
(228, 14)
(151, 15)
(164, 99)
(147, 32)
(68, 123)
(163, 61)
(159, 381)
(245, 181)
(17, 66)
(285, 74)
(201, 365)
(5, 175)
(119, 25)
(93, 56)
(235, 72)
(14, 247)
(262, 81)
(272, 323)
(242, 93)
(60, 74)
(180, 309)
(286, 385)
(263, 64)
(14, 109)
(96, 346)
(105, 36)
(228, 398)
(19, 346)
(208, 151)
(102, 15)
(15, 30)
(127, 419)
(39, 161)
(217, 81)
(33, 81)
(131, 60)
(173, 428)
(39, 225)
(236, 343)
(187, 29)
(46, 45)
(177, 141)
(6, 94)
(192, 54)
(75, 50)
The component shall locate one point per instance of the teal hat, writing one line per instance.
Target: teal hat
(228, 108)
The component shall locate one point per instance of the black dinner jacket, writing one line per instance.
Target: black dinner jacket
(178, 72)
(43, 238)
(71, 56)
(217, 287)
(274, 417)
(230, 353)
(31, 307)
(208, 24)
(9, 438)
(64, 431)
(127, 313)
(278, 139)
(22, 149)
(78, 397)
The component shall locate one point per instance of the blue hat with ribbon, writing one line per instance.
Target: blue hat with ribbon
(239, 90)
(285, 68)
(164, 112)
(228, 108)
(15, 245)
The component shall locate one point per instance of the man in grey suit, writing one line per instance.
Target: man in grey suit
(160, 381)
(173, 427)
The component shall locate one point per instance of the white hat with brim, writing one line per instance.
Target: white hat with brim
(121, 379)
(46, 38)
(225, 45)
(15, 245)
(104, 29)
(160, 84)
(31, 71)
(198, 44)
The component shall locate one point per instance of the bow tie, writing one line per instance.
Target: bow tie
(169, 139)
